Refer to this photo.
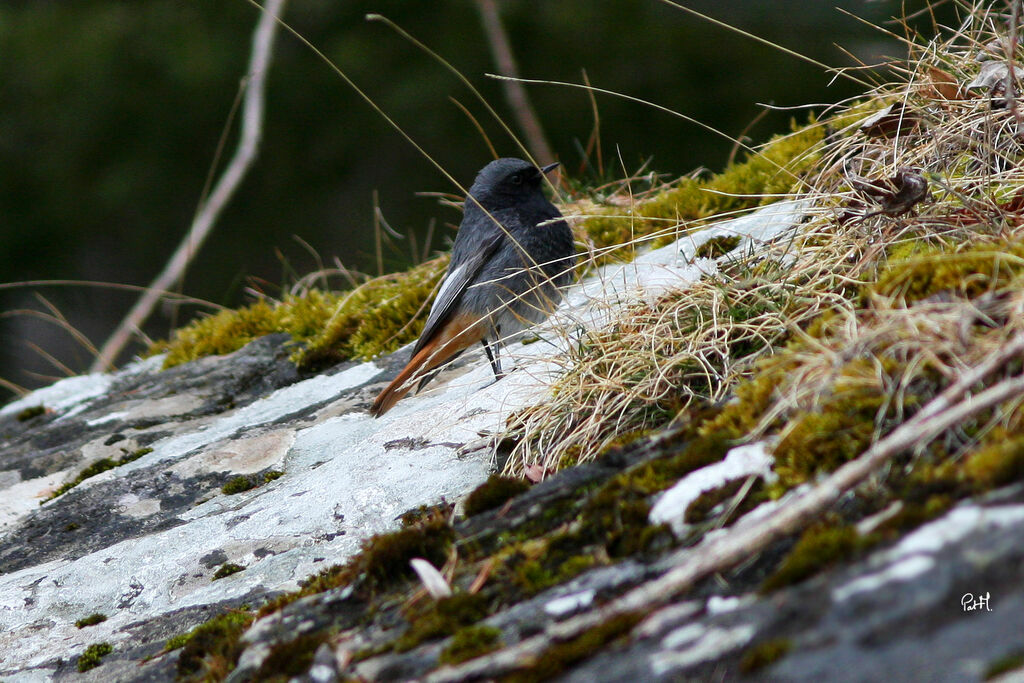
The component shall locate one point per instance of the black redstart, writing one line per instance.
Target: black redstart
(511, 255)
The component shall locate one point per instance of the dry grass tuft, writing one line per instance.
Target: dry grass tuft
(907, 270)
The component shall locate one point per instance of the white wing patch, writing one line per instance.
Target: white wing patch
(449, 281)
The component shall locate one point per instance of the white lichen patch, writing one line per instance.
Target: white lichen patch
(698, 645)
(915, 553)
(60, 397)
(742, 461)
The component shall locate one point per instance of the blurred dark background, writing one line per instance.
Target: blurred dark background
(110, 114)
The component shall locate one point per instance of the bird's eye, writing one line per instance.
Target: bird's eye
(516, 179)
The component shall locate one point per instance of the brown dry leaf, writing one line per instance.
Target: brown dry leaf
(942, 85)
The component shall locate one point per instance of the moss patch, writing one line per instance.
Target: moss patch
(98, 467)
(440, 618)
(243, 483)
(227, 569)
(818, 548)
(91, 620)
(27, 414)
(774, 170)
(93, 656)
(764, 654)
(493, 493)
(211, 649)
(290, 658)
(374, 318)
(560, 656)
(471, 642)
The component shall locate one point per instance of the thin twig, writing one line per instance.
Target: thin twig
(248, 149)
(514, 90)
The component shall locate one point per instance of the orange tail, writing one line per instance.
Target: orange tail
(457, 335)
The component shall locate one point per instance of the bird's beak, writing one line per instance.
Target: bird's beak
(549, 167)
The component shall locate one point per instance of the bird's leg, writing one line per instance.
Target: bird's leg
(493, 358)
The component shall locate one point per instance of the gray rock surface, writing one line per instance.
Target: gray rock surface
(140, 542)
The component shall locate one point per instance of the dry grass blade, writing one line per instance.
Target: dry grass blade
(916, 190)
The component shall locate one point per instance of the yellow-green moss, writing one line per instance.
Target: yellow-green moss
(290, 658)
(436, 619)
(98, 467)
(494, 492)
(212, 645)
(927, 271)
(93, 656)
(26, 414)
(376, 317)
(774, 170)
(560, 656)
(471, 642)
(765, 653)
(91, 620)
(818, 548)
(998, 463)
(227, 569)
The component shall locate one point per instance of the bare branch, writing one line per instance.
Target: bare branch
(514, 90)
(202, 224)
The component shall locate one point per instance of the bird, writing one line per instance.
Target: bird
(512, 255)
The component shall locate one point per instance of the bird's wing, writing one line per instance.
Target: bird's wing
(455, 282)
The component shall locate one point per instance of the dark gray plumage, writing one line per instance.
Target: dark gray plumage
(508, 263)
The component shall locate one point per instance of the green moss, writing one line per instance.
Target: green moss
(237, 485)
(291, 658)
(27, 414)
(753, 397)
(999, 463)
(177, 641)
(1005, 664)
(212, 646)
(967, 272)
(717, 246)
(375, 318)
(560, 656)
(93, 656)
(382, 561)
(493, 493)
(98, 467)
(369, 320)
(819, 547)
(765, 653)
(471, 642)
(243, 483)
(227, 569)
(775, 169)
(91, 620)
(842, 427)
(441, 618)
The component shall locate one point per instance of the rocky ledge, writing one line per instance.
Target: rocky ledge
(232, 517)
